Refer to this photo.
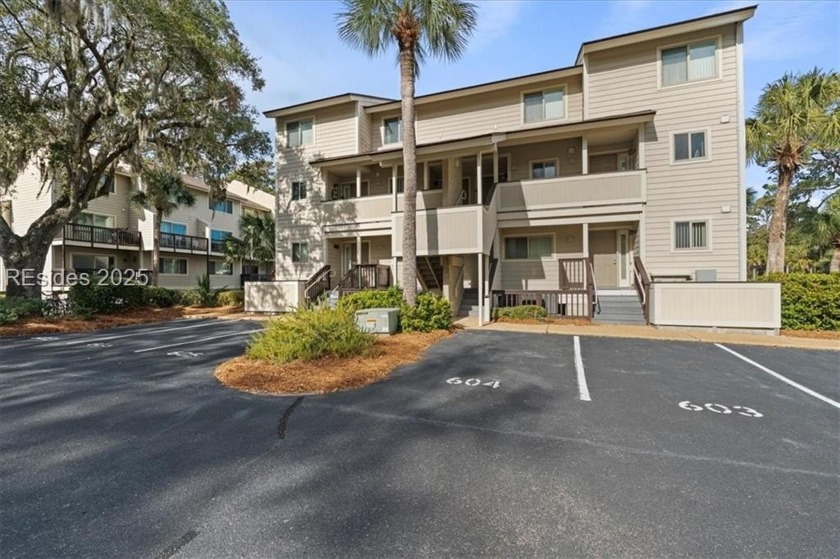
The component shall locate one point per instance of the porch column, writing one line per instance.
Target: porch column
(425, 175)
(479, 187)
(358, 249)
(586, 240)
(496, 164)
(394, 186)
(584, 155)
(358, 182)
(640, 151)
(480, 289)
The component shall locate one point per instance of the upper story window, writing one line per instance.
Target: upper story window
(544, 169)
(173, 228)
(689, 146)
(392, 130)
(225, 206)
(696, 61)
(299, 190)
(299, 133)
(543, 105)
(97, 220)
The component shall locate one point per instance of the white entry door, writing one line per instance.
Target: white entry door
(624, 253)
(348, 255)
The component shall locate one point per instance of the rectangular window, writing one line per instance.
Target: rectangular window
(689, 146)
(393, 130)
(543, 105)
(92, 262)
(690, 235)
(176, 266)
(299, 133)
(528, 248)
(300, 252)
(697, 61)
(225, 207)
(544, 169)
(173, 228)
(220, 268)
(97, 220)
(299, 190)
(217, 240)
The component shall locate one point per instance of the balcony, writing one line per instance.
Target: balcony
(455, 230)
(626, 187)
(101, 236)
(371, 209)
(172, 242)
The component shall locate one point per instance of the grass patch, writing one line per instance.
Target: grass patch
(327, 374)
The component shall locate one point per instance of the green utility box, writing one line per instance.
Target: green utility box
(378, 321)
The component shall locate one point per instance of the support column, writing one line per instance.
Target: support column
(584, 155)
(495, 164)
(358, 249)
(479, 186)
(394, 186)
(425, 175)
(358, 182)
(586, 240)
(640, 152)
(480, 289)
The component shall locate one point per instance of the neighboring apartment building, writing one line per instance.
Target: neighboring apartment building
(112, 234)
(636, 150)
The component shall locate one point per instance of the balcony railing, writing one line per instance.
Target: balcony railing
(217, 246)
(175, 242)
(101, 235)
(582, 190)
(444, 231)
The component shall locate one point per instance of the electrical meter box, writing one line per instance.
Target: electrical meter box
(378, 321)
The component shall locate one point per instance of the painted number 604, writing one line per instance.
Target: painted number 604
(472, 382)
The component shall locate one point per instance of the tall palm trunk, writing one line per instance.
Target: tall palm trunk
(778, 223)
(155, 247)
(409, 240)
(834, 265)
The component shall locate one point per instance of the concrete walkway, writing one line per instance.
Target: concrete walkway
(653, 333)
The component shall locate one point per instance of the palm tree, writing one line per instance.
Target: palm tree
(794, 116)
(164, 192)
(256, 241)
(822, 227)
(418, 28)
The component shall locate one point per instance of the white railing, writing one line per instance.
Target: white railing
(366, 208)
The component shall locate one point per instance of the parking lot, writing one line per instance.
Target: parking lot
(122, 444)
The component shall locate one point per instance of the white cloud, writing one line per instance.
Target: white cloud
(495, 19)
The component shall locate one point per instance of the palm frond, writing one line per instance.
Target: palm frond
(366, 24)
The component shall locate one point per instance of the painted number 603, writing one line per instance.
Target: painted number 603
(720, 408)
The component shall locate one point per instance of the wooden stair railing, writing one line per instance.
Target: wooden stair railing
(317, 284)
(641, 281)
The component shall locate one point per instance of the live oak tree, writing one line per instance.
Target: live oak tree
(416, 27)
(86, 85)
(795, 117)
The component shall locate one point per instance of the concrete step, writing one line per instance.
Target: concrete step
(639, 321)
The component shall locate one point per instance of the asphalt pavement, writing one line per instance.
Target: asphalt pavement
(122, 444)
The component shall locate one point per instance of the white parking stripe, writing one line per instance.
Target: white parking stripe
(804, 389)
(197, 341)
(139, 332)
(581, 376)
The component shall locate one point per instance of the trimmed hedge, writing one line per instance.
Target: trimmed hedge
(809, 301)
(431, 312)
(88, 300)
(522, 312)
(310, 334)
(15, 308)
(231, 298)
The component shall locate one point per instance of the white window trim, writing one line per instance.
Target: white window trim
(94, 213)
(718, 61)
(175, 223)
(531, 162)
(690, 160)
(212, 206)
(382, 131)
(292, 190)
(162, 258)
(522, 95)
(528, 236)
(695, 219)
(74, 253)
(286, 131)
(292, 252)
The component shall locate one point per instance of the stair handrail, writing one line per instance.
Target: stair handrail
(596, 301)
(642, 283)
(316, 279)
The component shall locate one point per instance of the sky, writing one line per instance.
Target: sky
(302, 57)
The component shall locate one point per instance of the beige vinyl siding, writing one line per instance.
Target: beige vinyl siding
(364, 130)
(486, 113)
(543, 273)
(522, 155)
(626, 79)
(27, 205)
(116, 204)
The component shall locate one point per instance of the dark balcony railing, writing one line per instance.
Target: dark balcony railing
(366, 276)
(217, 246)
(101, 235)
(173, 241)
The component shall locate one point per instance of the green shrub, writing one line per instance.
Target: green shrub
(15, 308)
(430, 313)
(190, 297)
(230, 298)
(162, 297)
(206, 295)
(809, 301)
(106, 299)
(372, 299)
(310, 334)
(522, 312)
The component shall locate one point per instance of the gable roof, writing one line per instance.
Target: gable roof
(325, 102)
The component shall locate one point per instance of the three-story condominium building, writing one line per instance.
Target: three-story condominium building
(592, 178)
(113, 235)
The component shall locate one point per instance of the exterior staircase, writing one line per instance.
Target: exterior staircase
(469, 303)
(430, 271)
(619, 307)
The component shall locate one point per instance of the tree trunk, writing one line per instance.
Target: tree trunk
(24, 258)
(778, 224)
(834, 265)
(155, 246)
(409, 240)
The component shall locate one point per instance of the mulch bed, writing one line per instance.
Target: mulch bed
(329, 374)
(818, 334)
(33, 326)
